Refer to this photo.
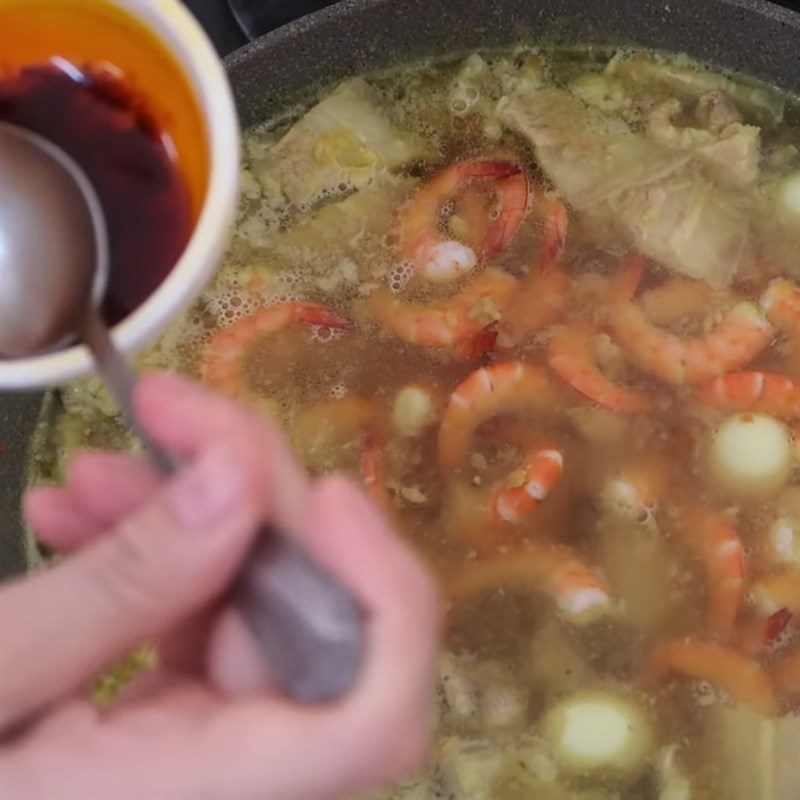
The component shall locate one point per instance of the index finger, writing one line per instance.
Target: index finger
(187, 419)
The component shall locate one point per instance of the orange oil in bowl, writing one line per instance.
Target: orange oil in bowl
(97, 83)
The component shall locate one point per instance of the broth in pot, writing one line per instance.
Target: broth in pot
(545, 306)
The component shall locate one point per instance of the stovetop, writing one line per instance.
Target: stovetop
(257, 16)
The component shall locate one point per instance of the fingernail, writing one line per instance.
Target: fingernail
(208, 491)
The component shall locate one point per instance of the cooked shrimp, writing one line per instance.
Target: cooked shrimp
(542, 294)
(504, 388)
(675, 300)
(443, 259)
(578, 591)
(512, 201)
(481, 517)
(781, 304)
(742, 334)
(726, 667)
(777, 591)
(224, 353)
(786, 674)
(478, 345)
(762, 392)
(527, 487)
(540, 300)
(373, 469)
(554, 234)
(450, 322)
(718, 547)
(571, 357)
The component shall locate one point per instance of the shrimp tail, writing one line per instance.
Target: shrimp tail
(578, 591)
(529, 486)
(478, 345)
(570, 356)
(719, 549)
(373, 468)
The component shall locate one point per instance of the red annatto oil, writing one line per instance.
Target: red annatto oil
(128, 119)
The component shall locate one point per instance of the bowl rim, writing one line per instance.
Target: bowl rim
(181, 34)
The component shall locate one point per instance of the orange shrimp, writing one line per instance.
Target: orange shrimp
(540, 300)
(478, 345)
(726, 667)
(763, 392)
(443, 259)
(577, 589)
(487, 514)
(527, 487)
(512, 200)
(504, 388)
(450, 322)
(785, 674)
(777, 591)
(570, 356)
(554, 214)
(717, 545)
(781, 304)
(224, 353)
(373, 469)
(742, 334)
(676, 299)
(542, 294)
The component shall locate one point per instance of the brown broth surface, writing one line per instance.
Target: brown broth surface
(337, 252)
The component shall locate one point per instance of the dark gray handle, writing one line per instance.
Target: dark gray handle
(309, 626)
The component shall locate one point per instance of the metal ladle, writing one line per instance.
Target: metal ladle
(54, 264)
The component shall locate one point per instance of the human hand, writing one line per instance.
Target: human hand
(149, 561)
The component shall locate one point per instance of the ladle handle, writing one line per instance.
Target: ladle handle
(309, 626)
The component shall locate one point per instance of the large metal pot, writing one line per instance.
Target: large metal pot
(357, 36)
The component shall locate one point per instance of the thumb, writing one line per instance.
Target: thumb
(174, 555)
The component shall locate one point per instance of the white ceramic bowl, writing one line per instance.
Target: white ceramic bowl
(177, 29)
